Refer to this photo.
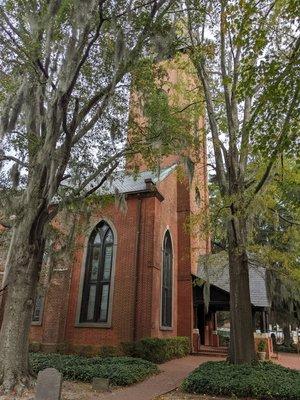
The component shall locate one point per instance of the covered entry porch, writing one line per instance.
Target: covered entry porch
(211, 322)
(211, 316)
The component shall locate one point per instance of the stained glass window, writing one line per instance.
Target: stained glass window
(38, 309)
(167, 272)
(97, 281)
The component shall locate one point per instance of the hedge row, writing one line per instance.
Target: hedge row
(286, 349)
(263, 380)
(121, 371)
(158, 350)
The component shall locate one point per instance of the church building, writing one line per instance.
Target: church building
(130, 274)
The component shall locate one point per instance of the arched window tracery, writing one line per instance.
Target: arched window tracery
(167, 282)
(98, 271)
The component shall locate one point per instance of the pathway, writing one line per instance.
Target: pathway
(171, 376)
(289, 360)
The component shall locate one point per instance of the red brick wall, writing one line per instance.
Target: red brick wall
(124, 287)
(166, 219)
(184, 299)
(61, 303)
(193, 238)
(59, 322)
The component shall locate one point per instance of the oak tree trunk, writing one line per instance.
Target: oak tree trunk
(241, 330)
(287, 340)
(24, 264)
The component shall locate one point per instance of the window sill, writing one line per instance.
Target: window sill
(36, 323)
(166, 328)
(93, 325)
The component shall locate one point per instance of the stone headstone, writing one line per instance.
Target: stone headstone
(100, 384)
(49, 383)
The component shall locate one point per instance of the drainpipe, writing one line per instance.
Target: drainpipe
(137, 266)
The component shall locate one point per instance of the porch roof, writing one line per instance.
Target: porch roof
(214, 268)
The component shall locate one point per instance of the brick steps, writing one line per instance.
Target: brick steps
(210, 354)
(210, 351)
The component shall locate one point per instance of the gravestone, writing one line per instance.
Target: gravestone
(49, 383)
(100, 384)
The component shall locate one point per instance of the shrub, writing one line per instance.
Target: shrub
(109, 351)
(34, 347)
(262, 346)
(84, 350)
(263, 380)
(224, 341)
(158, 350)
(286, 349)
(121, 371)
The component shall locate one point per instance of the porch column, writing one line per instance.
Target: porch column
(267, 321)
(263, 327)
(215, 321)
(253, 319)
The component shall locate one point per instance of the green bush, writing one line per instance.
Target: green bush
(286, 349)
(263, 380)
(262, 346)
(109, 351)
(158, 350)
(121, 371)
(224, 341)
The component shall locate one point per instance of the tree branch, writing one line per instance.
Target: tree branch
(12, 158)
(104, 179)
(5, 225)
(106, 92)
(280, 142)
(289, 221)
(245, 137)
(231, 108)
(217, 144)
(86, 53)
(101, 168)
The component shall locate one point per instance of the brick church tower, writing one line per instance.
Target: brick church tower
(191, 196)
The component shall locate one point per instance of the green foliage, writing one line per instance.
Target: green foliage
(109, 351)
(286, 349)
(262, 345)
(163, 113)
(263, 380)
(158, 350)
(121, 371)
(273, 232)
(224, 336)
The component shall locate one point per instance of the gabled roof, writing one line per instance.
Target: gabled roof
(125, 183)
(214, 268)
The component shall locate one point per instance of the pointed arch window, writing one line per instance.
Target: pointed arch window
(98, 271)
(167, 282)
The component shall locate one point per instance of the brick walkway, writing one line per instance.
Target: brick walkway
(289, 360)
(173, 372)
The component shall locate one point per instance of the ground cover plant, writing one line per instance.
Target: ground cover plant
(121, 371)
(263, 380)
(158, 350)
(286, 349)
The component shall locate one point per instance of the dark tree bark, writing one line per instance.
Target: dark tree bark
(287, 340)
(241, 329)
(24, 265)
